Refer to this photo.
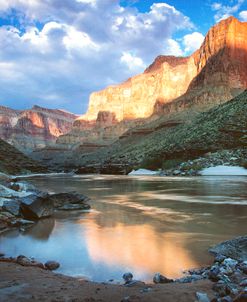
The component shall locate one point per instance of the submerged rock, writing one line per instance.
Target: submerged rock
(70, 201)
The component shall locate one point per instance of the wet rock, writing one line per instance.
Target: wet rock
(6, 192)
(176, 172)
(134, 283)
(127, 277)
(11, 205)
(25, 186)
(243, 283)
(70, 201)
(237, 277)
(189, 279)
(221, 288)
(213, 273)
(243, 267)
(24, 261)
(5, 179)
(227, 270)
(241, 297)
(158, 278)
(219, 258)
(226, 299)
(202, 297)
(235, 248)
(74, 207)
(52, 265)
(230, 262)
(34, 207)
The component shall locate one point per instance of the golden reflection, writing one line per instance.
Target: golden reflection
(138, 247)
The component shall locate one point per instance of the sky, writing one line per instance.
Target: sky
(54, 53)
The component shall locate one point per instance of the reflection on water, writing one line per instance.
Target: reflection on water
(138, 224)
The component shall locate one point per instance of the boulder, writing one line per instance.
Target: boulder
(34, 207)
(24, 261)
(158, 278)
(52, 265)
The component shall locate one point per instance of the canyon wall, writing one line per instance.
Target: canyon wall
(220, 63)
(170, 85)
(34, 128)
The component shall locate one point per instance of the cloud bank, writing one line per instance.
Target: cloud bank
(56, 52)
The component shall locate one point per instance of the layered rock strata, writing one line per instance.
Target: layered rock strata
(35, 128)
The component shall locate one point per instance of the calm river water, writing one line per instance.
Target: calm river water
(142, 224)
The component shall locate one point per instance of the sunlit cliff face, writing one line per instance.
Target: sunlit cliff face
(172, 76)
(138, 248)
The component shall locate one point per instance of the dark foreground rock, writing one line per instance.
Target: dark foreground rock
(70, 201)
(21, 203)
(35, 207)
(52, 265)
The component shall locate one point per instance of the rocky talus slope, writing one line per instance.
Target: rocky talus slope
(34, 128)
(222, 127)
(12, 161)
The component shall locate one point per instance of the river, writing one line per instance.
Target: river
(142, 224)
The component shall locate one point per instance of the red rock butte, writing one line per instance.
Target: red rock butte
(219, 64)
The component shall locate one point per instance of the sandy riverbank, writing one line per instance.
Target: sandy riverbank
(19, 283)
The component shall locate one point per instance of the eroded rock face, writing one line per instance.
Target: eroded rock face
(171, 91)
(136, 97)
(220, 62)
(35, 128)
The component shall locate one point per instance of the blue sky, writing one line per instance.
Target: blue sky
(54, 53)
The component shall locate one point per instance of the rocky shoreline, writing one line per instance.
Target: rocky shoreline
(234, 157)
(224, 281)
(22, 204)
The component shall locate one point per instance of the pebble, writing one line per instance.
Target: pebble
(52, 265)
(128, 277)
(202, 297)
(158, 278)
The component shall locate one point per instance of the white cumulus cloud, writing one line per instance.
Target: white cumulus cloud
(224, 11)
(243, 15)
(192, 42)
(65, 49)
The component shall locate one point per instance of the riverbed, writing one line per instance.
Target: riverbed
(142, 224)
